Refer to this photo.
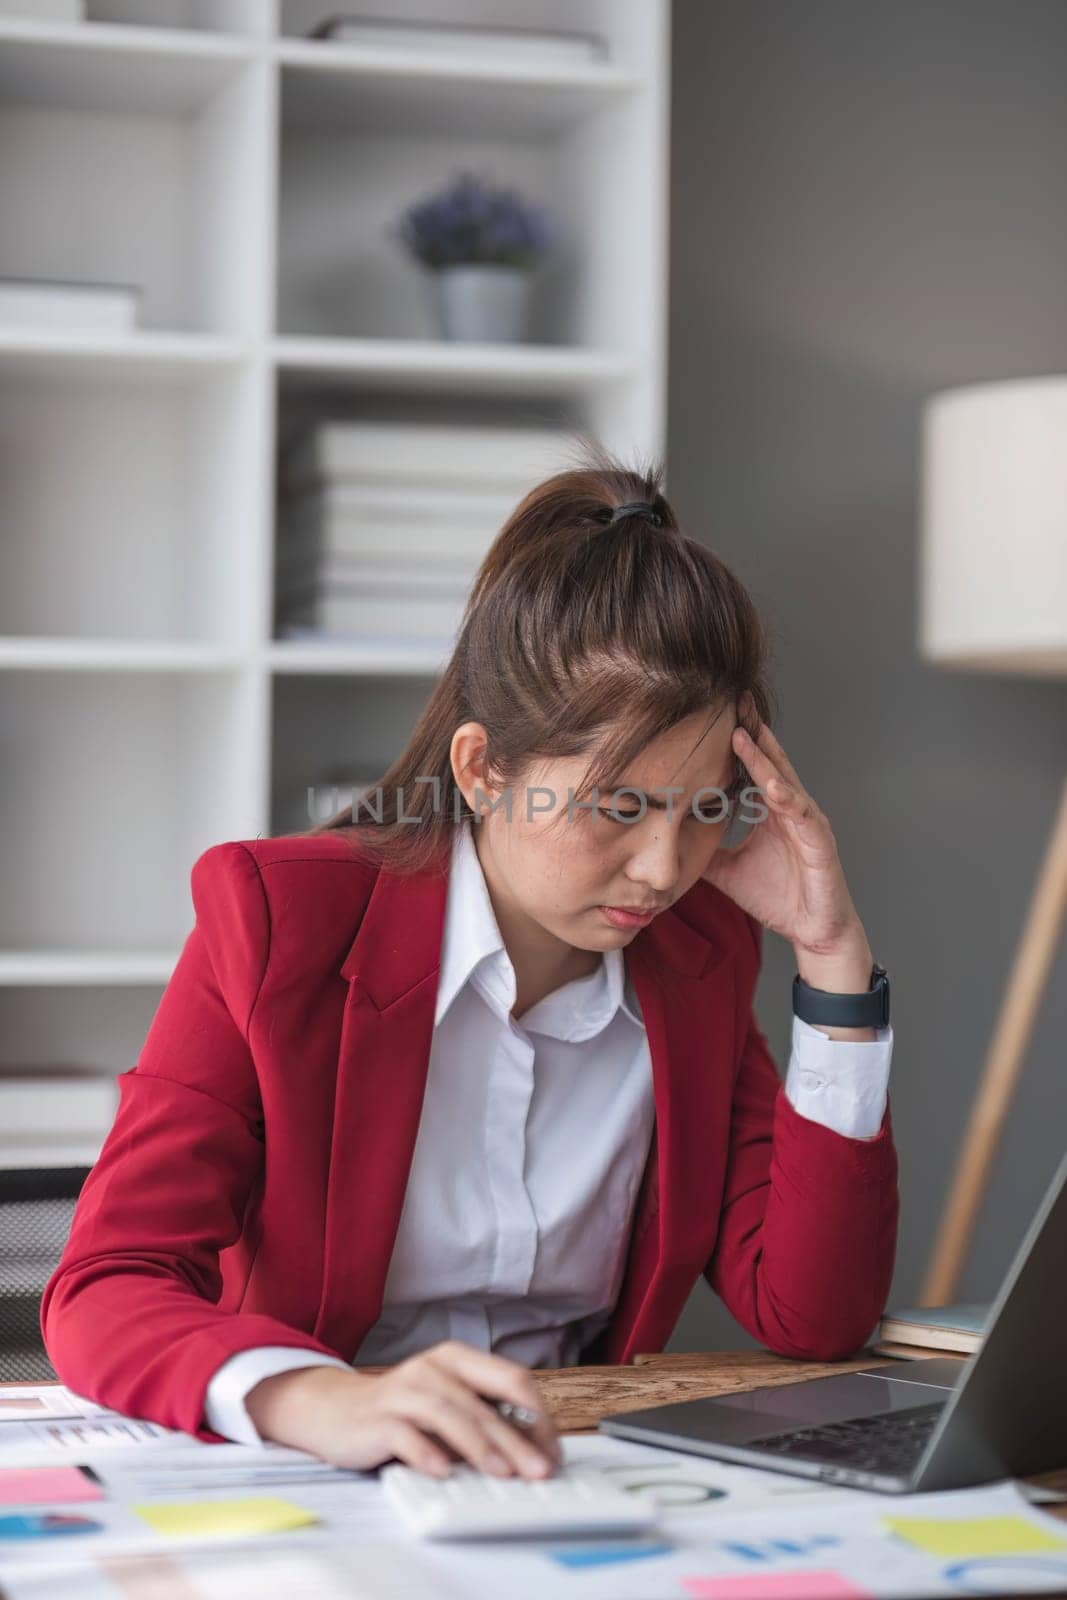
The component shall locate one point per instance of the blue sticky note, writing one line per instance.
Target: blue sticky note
(596, 1555)
(45, 1525)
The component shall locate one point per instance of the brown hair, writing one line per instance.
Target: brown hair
(580, 634)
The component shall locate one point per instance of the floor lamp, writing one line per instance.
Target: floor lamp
(993, 574)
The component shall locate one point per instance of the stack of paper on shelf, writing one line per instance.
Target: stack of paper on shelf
(48, 306)
(44, 10)
(382, 526)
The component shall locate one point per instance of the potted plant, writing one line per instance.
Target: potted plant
(480, 245)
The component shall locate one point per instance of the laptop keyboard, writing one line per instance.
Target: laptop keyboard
(889, 1442)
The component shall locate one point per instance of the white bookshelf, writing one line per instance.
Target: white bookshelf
(244, 177)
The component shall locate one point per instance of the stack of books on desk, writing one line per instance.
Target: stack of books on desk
(932, 1330)
(382, 526)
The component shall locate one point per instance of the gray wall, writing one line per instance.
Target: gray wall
(868, 204)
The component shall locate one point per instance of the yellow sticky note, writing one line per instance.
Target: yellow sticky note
(185, 1519)
(974, 1536)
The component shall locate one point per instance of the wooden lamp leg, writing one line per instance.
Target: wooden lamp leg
(1018, 1013)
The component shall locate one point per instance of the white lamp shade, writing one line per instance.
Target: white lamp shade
(993, 557)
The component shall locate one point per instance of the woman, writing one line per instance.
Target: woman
(471, 1082)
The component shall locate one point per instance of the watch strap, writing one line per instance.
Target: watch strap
(869, 1009)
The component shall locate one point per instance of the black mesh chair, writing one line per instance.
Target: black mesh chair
(36, 1207)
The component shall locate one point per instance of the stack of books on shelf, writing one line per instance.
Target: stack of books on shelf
(52, 1108)
(536, 46)
(48, 305)
(931, 1330)
(382, 526)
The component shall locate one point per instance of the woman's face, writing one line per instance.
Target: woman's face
(562, 870)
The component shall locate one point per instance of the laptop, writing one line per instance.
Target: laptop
(938, 1422)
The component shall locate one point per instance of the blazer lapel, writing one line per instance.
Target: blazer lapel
(686, 984)
(386, 1033)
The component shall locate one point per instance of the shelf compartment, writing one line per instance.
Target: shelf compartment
(99, 67)
(113, 784)
(328, 730)
(342, 274)
(129, 513)
(138, 165)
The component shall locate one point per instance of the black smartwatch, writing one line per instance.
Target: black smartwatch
(867, 1010)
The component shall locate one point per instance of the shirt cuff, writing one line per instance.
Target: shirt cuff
(842, 1083)
(224, 1408)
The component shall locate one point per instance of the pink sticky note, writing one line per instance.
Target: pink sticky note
(777, 1586)
(35, 1486)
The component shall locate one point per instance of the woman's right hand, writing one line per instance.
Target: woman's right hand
(359, 1420)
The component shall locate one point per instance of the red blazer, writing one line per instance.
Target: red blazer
(250, 1188)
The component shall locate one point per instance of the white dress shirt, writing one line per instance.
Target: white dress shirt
(531, 1145)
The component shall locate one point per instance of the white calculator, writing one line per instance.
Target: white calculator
(472, 1504)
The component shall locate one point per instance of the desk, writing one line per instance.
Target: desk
(577, 1397)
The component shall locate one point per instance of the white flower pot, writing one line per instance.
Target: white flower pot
(480, 302)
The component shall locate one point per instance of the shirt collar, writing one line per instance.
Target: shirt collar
(472, 950)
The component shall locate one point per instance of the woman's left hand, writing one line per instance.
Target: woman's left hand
(786, 873)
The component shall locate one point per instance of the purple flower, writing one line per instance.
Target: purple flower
(470, 221)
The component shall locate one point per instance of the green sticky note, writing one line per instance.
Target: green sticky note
(185, 1519)
(974, 1536)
